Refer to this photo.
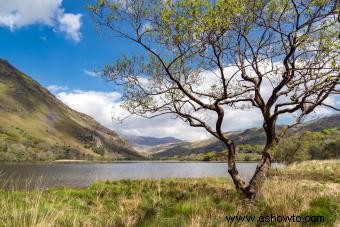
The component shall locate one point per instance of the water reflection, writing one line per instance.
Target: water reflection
(48, 175)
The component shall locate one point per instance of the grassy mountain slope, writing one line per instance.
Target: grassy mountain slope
(253, 136)
(34, 125)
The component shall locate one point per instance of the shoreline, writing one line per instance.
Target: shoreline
(305, 189)
(66, 161)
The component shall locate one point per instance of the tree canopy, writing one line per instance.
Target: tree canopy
(201, 58)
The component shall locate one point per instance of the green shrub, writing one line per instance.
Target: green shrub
(7, 157)
(309, 145)
(99, 150)
(247, 158)
(208, 156)
(325, 207)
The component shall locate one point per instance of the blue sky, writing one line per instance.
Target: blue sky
(56, 43)
(50, 57)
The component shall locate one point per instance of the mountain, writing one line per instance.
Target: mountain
(253, 136)
(332, 121)
(144, 141)
(35, 125)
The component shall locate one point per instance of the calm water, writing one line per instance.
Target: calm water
(82, 175)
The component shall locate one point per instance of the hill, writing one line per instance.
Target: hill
(253, 136)
(147, 141)
(35, 125)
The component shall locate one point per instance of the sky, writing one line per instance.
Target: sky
(56, 43)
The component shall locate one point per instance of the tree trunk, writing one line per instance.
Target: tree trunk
(254, 186)
(251, 189)
(232, 169)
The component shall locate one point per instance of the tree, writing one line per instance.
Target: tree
(198, 59)
(294, 148)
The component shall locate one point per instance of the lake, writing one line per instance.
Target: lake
(77, 175)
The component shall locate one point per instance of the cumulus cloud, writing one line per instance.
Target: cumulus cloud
(18, 13)
(324, 111)
(70, 24)
(56, 88)
(15, 14)
(105, 107)
(98, 105)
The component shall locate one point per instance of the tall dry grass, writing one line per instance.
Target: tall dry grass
(172, 202)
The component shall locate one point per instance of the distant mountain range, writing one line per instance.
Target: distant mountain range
(146, 141)
(253, 136)
(34, 121)
(35, 125)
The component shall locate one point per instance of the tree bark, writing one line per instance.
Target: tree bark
(255, 184)
(232, 169)
(253, 187)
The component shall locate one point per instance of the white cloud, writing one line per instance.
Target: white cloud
(91, 73)
(98, 105)
(56, 88)
(70, 24)
(332, 101)
(104, 106)
(15, 14)
(18, 13)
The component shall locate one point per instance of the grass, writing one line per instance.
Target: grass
(326, 170)
(176, 202)
(212, 156)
